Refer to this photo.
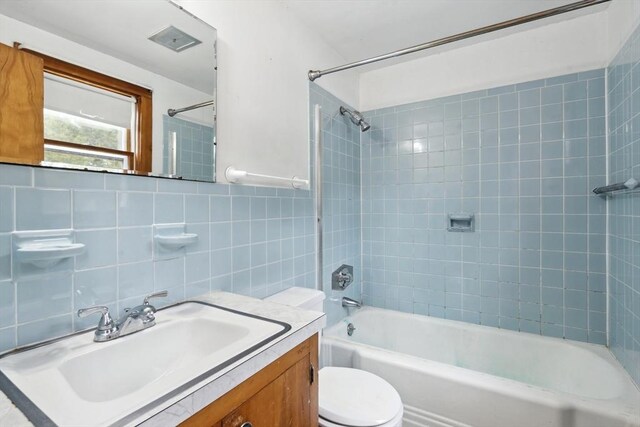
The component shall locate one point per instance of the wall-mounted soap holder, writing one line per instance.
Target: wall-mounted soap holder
(462, 223)
(170, 240)
(45, 249)
(178, 241)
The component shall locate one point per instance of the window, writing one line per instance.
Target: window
(94, 120)
(87, 126)
(80, 141)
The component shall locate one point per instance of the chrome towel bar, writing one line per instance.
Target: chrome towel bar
(234, 176)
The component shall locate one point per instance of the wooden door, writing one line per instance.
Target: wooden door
(21, 106)
(285, 402)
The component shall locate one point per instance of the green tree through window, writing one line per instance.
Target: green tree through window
(67, 128)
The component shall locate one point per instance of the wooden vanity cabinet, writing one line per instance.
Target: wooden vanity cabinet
(283, 394)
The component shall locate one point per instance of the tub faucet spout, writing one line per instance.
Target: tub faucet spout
(348, 302)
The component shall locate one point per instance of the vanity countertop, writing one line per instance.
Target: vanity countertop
(303, 323)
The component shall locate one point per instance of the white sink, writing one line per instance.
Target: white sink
(75, 381)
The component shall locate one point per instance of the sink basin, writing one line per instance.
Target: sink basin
(116, 381)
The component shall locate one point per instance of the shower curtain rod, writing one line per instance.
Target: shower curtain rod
(314, 74)
(171, 112)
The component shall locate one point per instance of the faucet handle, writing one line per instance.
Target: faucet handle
(154, 295)
(84, 312)
(106, 322)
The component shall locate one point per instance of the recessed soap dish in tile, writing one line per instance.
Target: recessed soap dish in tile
(171, 240)
(463, 223)
(44, 249)
(176, 241)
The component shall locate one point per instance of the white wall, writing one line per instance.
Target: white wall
(559, 48)
(623, 17)
(166, 93)
(264, 53)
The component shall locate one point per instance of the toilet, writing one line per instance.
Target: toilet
(347, 397)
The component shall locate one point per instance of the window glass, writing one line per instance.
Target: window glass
(67, 128)
(82, 114)
(60, 156)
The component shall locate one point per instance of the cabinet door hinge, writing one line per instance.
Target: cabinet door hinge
(312, 370)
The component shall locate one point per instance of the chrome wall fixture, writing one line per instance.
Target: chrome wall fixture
(314, 74)
(342, 277)
(629, 184)
(356, 118)
(172, 112)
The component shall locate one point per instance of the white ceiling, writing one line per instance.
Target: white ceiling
(356, 29)
(359, 29)
(120, 28)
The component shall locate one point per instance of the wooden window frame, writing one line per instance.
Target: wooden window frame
(128, 154)
(140, 157)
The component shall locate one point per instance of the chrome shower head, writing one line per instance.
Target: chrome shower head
(364, 126)
(356, 118)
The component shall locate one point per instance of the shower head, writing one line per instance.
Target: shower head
(356, 117)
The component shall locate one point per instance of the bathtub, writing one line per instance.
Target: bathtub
(457, 374)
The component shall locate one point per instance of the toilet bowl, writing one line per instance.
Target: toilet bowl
(347, 397)
(357, 398)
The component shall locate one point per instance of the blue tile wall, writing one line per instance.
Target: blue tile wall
(522, 158)
(195, 148)
(252, 240)
(341, 228)
(623, 77)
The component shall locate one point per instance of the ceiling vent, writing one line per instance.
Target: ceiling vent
(174, 39)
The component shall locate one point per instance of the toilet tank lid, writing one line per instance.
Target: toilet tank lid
(297, 297)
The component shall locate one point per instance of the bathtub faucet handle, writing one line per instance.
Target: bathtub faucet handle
(342, 277)
(345, 277)
(350, 329)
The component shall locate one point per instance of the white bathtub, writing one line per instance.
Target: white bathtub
(452, 373)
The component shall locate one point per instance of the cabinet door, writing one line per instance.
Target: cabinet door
(283, 394)
(285, 402)
(21, 106)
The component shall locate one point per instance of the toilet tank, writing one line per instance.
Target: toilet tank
(308, 299)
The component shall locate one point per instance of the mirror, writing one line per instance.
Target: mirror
(120, 86)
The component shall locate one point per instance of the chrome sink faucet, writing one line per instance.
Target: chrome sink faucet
(135, 319)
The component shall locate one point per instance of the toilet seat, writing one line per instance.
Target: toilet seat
(356, 398)
(396, 422)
